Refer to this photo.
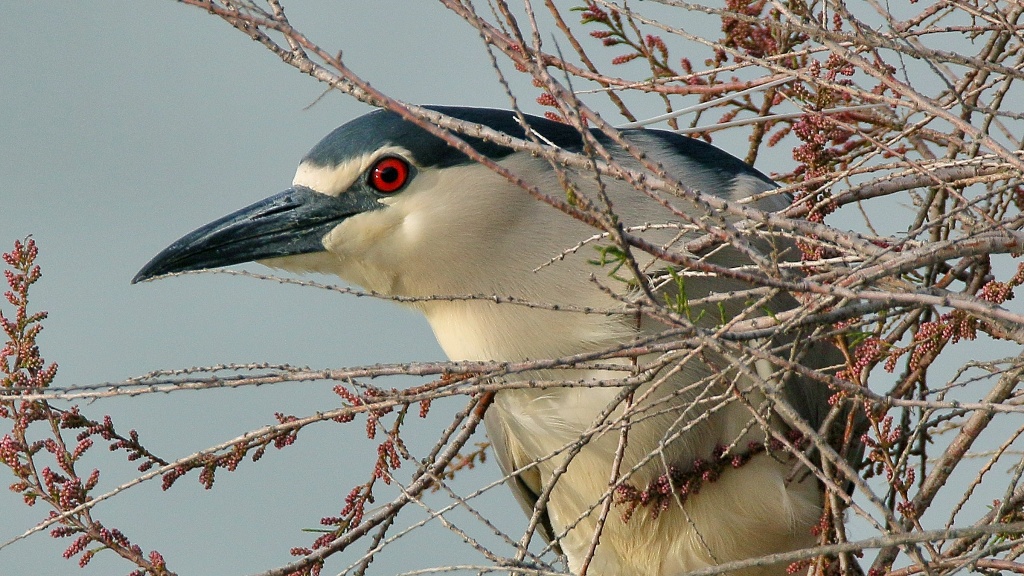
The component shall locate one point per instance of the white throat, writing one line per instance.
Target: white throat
(479, 330)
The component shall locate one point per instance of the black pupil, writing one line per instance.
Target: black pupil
(389, 174)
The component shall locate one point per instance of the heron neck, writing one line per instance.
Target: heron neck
(477, 330)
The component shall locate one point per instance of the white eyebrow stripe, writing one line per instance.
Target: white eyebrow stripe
(330, 180)
(334, 180)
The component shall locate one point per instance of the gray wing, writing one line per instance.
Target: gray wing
(705, 168)
(525, 486)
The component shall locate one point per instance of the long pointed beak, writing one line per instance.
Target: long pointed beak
(290, 223)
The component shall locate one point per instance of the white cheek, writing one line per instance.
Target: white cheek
(364, 234)
(413, 231)
(362, 251)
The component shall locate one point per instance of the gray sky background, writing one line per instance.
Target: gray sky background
(125, 125)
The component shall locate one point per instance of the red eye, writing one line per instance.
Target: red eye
(388, 174)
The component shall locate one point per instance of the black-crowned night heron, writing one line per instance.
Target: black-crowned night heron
(384, 204)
